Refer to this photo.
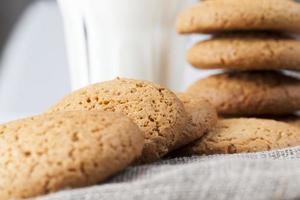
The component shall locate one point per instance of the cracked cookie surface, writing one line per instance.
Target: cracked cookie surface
(245, 135)
(250, 93)
(156, 110)
(59, 151)
(232, 15)
(242, 51)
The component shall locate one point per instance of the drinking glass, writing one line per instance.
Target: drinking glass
(126, 38)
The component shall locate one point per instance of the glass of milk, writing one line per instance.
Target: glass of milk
(127, 38)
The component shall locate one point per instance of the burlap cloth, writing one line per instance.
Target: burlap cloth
(267, 175)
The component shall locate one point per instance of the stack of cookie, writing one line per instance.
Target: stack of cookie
(253, 41)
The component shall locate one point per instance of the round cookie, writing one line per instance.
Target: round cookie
(202, 116)
(245, 135)
(232, 15)
(250, 93)
(52, 152)
(244, 51)
(156, 110)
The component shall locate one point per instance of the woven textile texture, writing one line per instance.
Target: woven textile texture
(266, 175)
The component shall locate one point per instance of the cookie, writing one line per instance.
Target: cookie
(245, 135)
(250, 93)
(157, 111)
(202, 115)
(244, 51)
(57, 151)
(232, 15)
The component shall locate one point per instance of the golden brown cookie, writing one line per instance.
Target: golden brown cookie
(57, 151)
(202, 116)
(231, 15)
(250, 93)
(245, 135)
(157, 111)
(242, 51)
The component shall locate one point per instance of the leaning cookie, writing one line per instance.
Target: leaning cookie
(59, 151)
(244, 135)
(156, 110)
(202, 116)
(232, 15)
(250, 93)
(246, 51)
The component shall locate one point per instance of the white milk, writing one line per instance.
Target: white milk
(127, 38)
